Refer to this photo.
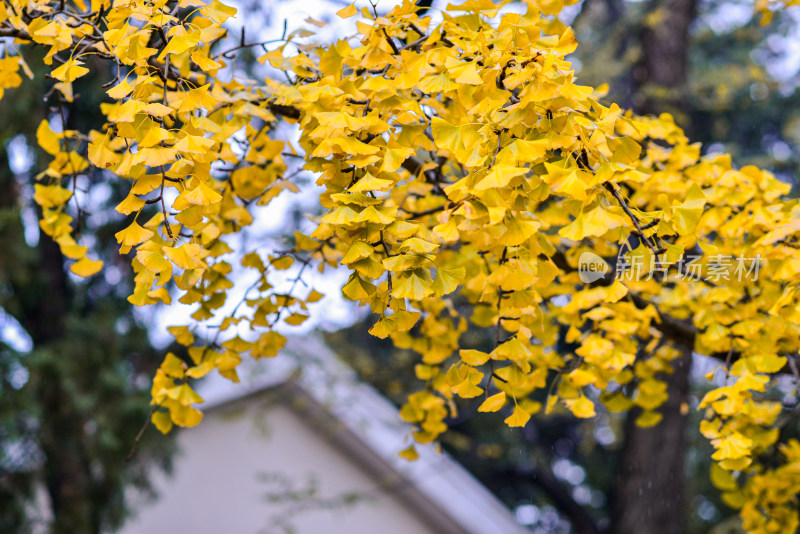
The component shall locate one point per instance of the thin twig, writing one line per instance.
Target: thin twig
(140, 434)
(163, 206)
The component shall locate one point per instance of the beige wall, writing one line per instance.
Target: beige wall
(215, 487)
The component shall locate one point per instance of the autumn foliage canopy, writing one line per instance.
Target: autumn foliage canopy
(467, 180)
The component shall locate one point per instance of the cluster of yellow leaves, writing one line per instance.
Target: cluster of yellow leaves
(464, 173)
(52, 196)
(9, 72)
(171, 123)
(766, 9)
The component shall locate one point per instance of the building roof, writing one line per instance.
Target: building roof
(366, 426)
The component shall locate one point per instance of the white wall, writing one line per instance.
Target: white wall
(215, 487)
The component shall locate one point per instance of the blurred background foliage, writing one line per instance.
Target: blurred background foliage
(75, 362)
(742, 77)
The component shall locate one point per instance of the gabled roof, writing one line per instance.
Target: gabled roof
(371, 432)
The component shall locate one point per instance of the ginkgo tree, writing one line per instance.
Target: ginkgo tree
(466, 179)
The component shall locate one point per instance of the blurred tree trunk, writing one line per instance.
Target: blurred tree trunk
(649, 493)
(67, 473)
(660, 77)
(78, 412)
(41, 305)
(648, 497)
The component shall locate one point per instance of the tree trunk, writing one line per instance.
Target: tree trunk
(661, 74)
(648, 497)
(649, 494)
(66, 471)
(41, 303)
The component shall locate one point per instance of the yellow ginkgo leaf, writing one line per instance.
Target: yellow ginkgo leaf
(595, 223)
(383, 327)
(120, 91)
(722, 479)
(194, 144)
(394, 157)
(314, 296)
(372, 215)
(493, 403)
(410, 453)
(173, 366)
(343, 146)
(185, 416)
(156, 156)
(218, 12)
(616, 402)
(296, 319)
(184, 394)
(466, 389)
(413, 287)
(155, 136)
(162, 421)
(85, 267)
(581, 407)
(180, 43)
(571, 185)
(281, 263)
(198, 97)
(466, 73)
(518, 418)
(648, 419)
(100, 155)
(733, 446)
(463, 141)
(70, 248)
(473, 357)
(447, 280)
(357, 251)
(404, 320)
(347, 12)
(518, 231)
(65, 88)
(686, 216)
(205, 63)
(187, 256)
(156, 109)
(51, 196)
(357, 288)
(48, 139)
(182, 335)
(202, 195)
(70, 70)
(130, 204)
(370, 183)
(133, 235)
(417, 246)
(624, 149)
(499, 176)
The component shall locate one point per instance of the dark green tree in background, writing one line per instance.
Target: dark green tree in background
(71, 406)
